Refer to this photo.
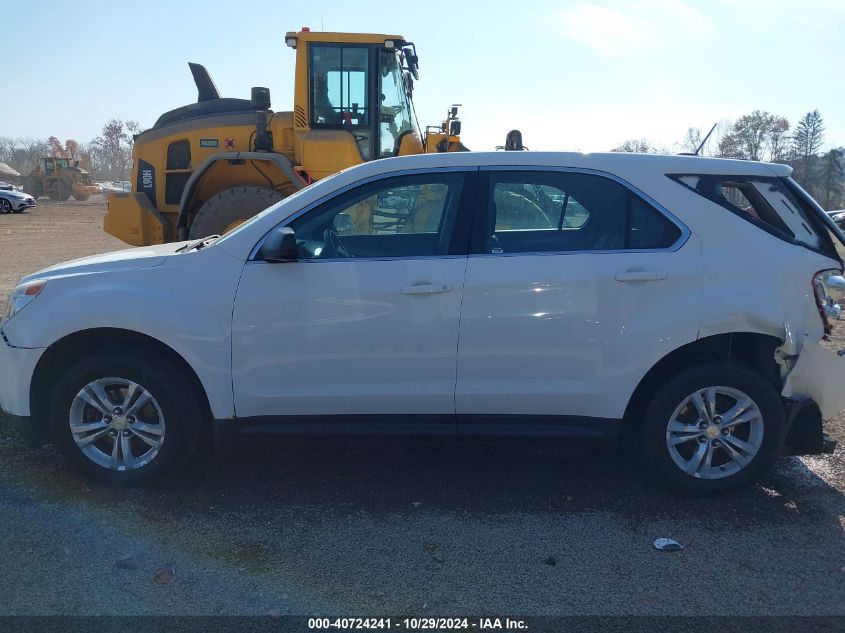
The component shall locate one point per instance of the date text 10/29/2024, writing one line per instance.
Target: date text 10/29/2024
(418, 624)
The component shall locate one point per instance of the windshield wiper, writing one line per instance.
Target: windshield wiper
(198, 244)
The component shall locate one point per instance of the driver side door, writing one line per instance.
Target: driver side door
(365, 323)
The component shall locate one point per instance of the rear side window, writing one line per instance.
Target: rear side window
(536, 212)
(765, 202)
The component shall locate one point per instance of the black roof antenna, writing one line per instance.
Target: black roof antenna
(700, 147)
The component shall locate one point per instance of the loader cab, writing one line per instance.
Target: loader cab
(361, 86)
(52, 166)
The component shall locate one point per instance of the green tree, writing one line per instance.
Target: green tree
(831, 178)
(806, 143)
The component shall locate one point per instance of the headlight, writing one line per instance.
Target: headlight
(22, 295)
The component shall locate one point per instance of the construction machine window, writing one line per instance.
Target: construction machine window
(395, 109)
(339, 91)
(398, 217)
(179, 155)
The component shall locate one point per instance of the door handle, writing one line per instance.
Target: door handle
(426, 289)
(640, 275)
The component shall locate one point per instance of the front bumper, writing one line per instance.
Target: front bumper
(17, 365)
(26, 203)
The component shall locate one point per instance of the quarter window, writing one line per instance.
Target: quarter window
(397, 217)
(647, 227)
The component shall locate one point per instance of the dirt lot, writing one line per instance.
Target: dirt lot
(49, 234)
(411, 527)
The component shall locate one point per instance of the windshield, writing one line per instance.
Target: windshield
(395, 117)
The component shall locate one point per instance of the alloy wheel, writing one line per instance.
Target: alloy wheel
(714, 433)
(117, 424)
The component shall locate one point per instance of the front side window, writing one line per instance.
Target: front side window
(410, 216)
(395, 109)
(339, 91)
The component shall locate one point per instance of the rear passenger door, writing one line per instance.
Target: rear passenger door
(575, 286)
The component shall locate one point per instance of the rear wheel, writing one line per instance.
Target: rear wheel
(119, 417)
(713, 427)
(231, 207)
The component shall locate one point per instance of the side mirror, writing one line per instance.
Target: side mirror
(280, 246)
(455, 128)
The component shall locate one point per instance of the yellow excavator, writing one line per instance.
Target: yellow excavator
(204, 168)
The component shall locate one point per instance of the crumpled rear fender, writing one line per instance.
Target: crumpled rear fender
(817, 374)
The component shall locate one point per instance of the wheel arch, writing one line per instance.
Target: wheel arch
(750, 349)
(187, 201)
(54, 360)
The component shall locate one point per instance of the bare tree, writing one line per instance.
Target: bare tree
(111, 151)
(636, 145)
(756, 136)
(23, 154)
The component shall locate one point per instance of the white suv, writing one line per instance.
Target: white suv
(673, 301)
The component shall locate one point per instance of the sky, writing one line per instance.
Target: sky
(571, 75)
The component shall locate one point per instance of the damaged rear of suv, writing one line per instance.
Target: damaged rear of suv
(767, 293)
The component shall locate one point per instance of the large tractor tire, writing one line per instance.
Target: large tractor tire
(59, 192)
(231, 207)
(33, 186)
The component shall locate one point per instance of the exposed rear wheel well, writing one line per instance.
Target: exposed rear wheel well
(65, 351)
(751, 350)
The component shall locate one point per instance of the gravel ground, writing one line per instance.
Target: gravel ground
(401, 527)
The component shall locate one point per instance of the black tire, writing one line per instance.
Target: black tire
(176, 394)
(59, 192)
(653, 432)
(5, 206)
(230, 206)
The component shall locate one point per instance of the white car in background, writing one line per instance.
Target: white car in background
(12, 201)
(673, 302)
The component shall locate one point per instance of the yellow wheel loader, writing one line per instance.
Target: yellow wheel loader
(204, 168)
(59, 179)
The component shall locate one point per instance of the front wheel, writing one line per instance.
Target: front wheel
(122, 419)
(5, 206)
(713, 428)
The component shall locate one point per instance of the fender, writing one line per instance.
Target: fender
(281, 161)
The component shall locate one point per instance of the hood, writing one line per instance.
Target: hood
(14, 194)
(128, 259)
